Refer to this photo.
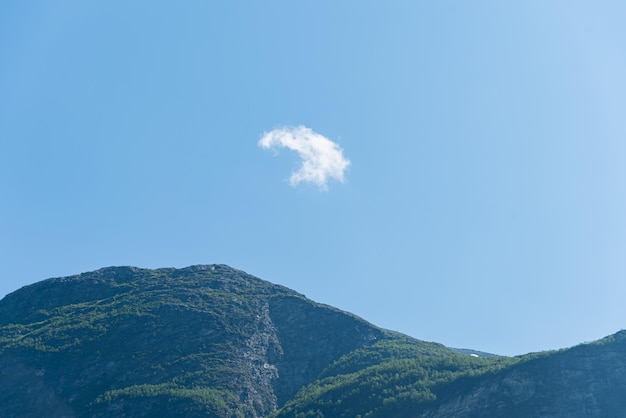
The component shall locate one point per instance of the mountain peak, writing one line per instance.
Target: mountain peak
(125, 331)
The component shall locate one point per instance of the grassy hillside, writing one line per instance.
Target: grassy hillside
(396, 377)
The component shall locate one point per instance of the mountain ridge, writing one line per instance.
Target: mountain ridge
(211, 340)
(180, 312)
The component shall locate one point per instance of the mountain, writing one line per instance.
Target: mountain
(214, 341)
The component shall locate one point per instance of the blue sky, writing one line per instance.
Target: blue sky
(483, 205)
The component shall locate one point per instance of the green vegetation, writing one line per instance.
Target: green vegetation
(177, 339)
(212, 402)
(213, 341)
(396, 377)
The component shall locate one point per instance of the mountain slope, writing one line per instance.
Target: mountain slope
(396, 377)
(588, 380)
(201, 340)
(205, 340)
(214, 341)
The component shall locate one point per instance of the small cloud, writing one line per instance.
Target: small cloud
(322, 159)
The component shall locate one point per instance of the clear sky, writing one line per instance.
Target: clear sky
(483, 195)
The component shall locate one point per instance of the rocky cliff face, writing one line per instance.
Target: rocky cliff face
(311, 338)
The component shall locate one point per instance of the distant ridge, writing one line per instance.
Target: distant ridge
(473, 352)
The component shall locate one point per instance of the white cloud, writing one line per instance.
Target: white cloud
(322, 159)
